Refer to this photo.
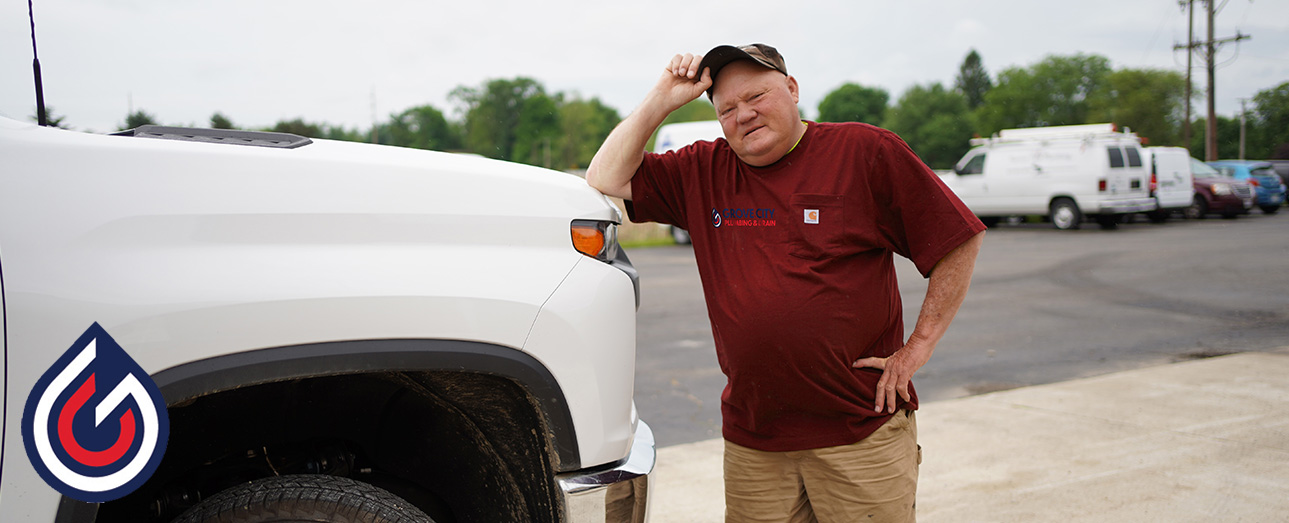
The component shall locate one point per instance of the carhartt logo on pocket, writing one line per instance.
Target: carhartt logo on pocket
(812, 215)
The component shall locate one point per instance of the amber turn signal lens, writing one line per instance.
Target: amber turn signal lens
(588, 239)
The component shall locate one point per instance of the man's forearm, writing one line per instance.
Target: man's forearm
(618, 159)
(616, 162)
(945, 293)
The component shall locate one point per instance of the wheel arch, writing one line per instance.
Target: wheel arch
(234, 373)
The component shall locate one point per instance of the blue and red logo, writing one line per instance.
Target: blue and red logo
(95, 425)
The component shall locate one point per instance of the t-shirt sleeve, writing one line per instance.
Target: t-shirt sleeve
(924, 220)
(657, 190)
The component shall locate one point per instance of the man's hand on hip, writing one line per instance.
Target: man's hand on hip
(897, 370)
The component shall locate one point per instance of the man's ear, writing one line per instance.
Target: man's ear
(792, 88)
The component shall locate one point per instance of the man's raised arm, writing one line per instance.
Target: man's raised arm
(616, 162)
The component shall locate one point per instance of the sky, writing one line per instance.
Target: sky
(348, 63)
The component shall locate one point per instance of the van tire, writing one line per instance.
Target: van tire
(1065, 214)
(309, 497)
(1198, 208)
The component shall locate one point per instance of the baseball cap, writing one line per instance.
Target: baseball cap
(722, 55)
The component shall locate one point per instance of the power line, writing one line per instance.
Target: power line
(1209, 48)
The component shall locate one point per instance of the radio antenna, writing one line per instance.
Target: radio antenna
(41, 118)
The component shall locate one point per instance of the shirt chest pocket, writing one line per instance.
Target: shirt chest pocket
(816, 226)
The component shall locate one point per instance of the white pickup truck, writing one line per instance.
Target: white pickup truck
(1064, 173)
(450, 336)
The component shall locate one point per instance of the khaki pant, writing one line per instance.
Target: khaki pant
(872, 480)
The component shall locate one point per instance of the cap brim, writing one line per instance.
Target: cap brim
(721, 56)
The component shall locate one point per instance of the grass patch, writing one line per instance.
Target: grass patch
(648, 242)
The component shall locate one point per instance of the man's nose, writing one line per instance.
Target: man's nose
(745, 113)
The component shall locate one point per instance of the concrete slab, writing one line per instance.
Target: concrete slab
(1201, 440)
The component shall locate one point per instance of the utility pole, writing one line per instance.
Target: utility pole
(1242, 113)
(1210, 51)
(1190, 54)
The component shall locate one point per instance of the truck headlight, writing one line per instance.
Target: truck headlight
(597, 239)
(1221, 189)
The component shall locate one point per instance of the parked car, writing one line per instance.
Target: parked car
(1063, 172)
(1171, 182)
(1282, 168)
(1268, 186)
(1217, 194)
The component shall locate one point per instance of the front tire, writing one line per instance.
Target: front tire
(1198, 209)
(1270, 209)
(1065, 214)
(308, 497)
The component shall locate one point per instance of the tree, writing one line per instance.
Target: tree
(1228, 138)
(51, 119)
(973, 80)
(934, 121)
(219, 121)
(420, 127)
(138, 119)
(584, 124)
(1149, 101)
(1271, 118)
(537, 130)
(1055, 91)
(299, 127)
(854, 103)
(496, 113)
(697, 110)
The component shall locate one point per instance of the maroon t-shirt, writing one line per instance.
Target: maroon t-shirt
(797, 270)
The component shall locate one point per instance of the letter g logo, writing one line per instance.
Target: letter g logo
(101, 453)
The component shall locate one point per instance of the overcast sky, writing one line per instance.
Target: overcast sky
(331, 61)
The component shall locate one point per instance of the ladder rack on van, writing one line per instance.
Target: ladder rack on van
(1061, 132)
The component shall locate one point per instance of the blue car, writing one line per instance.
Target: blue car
(1270, 189)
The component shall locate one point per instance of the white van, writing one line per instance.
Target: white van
(1171, 181)
(676, 135)
(1065, 173)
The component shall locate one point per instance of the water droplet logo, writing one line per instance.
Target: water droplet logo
(95, 425)
(716, 218)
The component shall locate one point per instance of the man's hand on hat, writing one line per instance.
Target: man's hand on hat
(682, 82)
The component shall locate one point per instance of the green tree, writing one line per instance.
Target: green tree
(52, 119)
(934, 121)
(1270, 116)
(584, 124)
(973, 80)
(697, 110)
(138, 119)
(1149, 101)
(219, 121)
(854, 103)
(496, 113)
(537, 131)
(1055, 91)
(1228, 138)
(299, 127)
(420, 127)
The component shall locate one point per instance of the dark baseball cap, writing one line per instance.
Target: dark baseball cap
(721, 56)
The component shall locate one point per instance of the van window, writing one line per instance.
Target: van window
(1116, 156)
(1134, 156)
(975, 165)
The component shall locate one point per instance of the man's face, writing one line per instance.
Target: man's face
(757, 108)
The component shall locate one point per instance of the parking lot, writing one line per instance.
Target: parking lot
(1045, 306)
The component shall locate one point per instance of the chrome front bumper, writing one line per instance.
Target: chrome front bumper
(1126, 206)
(616, 495)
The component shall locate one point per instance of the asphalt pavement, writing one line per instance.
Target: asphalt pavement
(1203, 440)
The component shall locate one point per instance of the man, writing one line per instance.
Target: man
(794, 225)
